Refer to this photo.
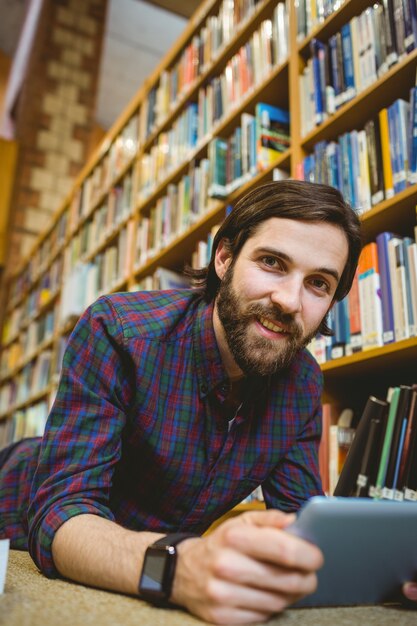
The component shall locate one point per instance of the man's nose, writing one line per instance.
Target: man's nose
(287, 295)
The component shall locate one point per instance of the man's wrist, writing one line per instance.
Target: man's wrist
(159, 568)
(180, 584)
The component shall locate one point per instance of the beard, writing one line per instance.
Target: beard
(257, 355)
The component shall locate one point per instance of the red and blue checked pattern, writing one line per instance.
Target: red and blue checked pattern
(138, 434)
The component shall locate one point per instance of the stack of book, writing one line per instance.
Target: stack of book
(254, 146)
(370, 164)
(354, 58)
(382, 305)
(382, 460)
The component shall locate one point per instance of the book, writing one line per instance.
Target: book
(355, 328)
(390, 34)
(409, 40)
(398, 11)
(324, 446)
(380, 40)
(388, 328)
(364, 202)
(377, 490)
(408, 462)
(369, 47)
(376, 176)
(370, 297)
(272, 133)
(344, 435)
(341, 329)
(401, 110)
(337, 435)
(386, 153)
(412, 136)
(407, 285)
(372, 449)
(217, 152)
(354, 34)
(391, 476)
(396, 265)
(412, 264)
(347, 482)
(348, 66)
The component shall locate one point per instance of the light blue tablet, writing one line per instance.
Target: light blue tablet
(369, 547)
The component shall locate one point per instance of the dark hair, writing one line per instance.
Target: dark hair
(290, 199)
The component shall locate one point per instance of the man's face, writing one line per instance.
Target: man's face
(275, 294)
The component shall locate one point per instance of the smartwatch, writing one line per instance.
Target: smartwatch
(157, 576)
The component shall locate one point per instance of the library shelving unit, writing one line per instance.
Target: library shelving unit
(146, 201)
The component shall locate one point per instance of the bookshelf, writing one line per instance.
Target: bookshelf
(154, 154)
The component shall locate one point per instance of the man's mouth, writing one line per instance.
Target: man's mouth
(275, 328)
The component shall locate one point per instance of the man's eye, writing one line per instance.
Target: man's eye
(320, 284)
(270, 261)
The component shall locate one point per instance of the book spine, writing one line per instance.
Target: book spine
(400, 32)
(395, 451)
(409, 41)
(350, 88)
(386, 290)
(383, 464)
(317, 85)
(391, 39)
(386, 153)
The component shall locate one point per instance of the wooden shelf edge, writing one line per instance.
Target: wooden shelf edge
(368, 355)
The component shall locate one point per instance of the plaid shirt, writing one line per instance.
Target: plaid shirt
(137, 433)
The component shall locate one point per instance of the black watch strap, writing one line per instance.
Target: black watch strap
(173, 539)
(155, 583)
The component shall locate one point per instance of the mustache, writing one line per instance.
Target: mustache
(276, 314)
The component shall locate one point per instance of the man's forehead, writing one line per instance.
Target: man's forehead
(282, 225)
(285, 236)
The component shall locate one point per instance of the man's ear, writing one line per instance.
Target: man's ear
(222, 258)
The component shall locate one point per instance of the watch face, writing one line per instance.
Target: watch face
(154, 571)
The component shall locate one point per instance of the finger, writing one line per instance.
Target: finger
(272, 517)
(229, 594)
(274, 546)
(243, 570)
(410, 591)
(230, 615)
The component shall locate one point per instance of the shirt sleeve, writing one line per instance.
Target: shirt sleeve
(296, 477)
(82, 441)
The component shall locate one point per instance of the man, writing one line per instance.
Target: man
(173, 406)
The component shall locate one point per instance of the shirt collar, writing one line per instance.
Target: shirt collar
(210, 369)
(209, 364)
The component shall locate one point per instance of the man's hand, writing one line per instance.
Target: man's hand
(410, 591)
(246, 570)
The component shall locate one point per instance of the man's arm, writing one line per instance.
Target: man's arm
(245, 570)
(98, 552)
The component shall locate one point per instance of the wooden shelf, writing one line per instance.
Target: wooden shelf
(397, 214)
(389, 356)
(349, 381)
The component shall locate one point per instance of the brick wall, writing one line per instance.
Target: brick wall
(55, 115)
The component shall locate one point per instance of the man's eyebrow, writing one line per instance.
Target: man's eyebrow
(286, 257)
